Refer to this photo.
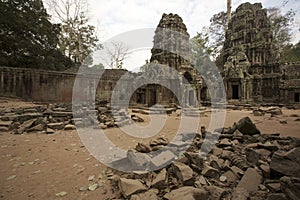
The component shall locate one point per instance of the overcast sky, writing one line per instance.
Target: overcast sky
(113, 17)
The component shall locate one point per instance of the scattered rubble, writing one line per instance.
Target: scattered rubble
(244, 164)
(130, 186)
(49, 118)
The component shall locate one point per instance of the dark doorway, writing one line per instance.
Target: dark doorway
(141, 97)
(235, 92)
(152, 98)
(188, 78)
(297, 97)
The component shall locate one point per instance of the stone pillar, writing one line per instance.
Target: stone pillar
(243, 90)
(2, 82)
(199, 95)
(249, 89)
(195, 97)
(14, 85)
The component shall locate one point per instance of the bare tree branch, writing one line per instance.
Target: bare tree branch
(117, 52)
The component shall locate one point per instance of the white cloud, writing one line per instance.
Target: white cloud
(117, 16)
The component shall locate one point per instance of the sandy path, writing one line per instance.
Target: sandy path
(44, 165)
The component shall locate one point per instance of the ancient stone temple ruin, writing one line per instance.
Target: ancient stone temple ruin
(170, 49)
(250, 71)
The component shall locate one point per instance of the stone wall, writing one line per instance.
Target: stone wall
(51, 86)
(290, 83)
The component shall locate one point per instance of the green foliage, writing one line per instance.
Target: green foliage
(216, 32)
(201, 53)
(200, 44)
(99, 66)
(291, 53)
(78, 38)
(281, 27)
(28, 38)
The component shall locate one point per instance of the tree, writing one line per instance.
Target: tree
(117, 52)
(216, 33)
(291, 53)
(281, 27)
(201, 53)
(99, 66)
(200, 44)
(27, 37)
(78, 38)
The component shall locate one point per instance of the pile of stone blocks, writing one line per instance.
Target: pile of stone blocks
(52, 117)
(243, 164)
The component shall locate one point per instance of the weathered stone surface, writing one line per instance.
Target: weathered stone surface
(130, 186)
(6, 123)
(163, 158)
(258, 112)
(273, 187)
(138, 160)
(215, 192)
(56, 126)
(216, 163)
(3, 128)
(137, 118)
(237, 171)
(183, 172)
(230, 176)
(26, 125)
(211, 172)
(216, 151)
(265, 168)
(159, 141)
(149, 195)
(283, 121)
(62, 114)
(187, 193)
(39, 127)
(202, 180)
(239, 161)
(194, 158)
(160, 180)
(274, 111)
(277, 196)
(248, 184)
(50, 131)
(286, 163)
(270, 147)
(174, 23)
(291, 187)
(246, 126)
(254, 155)
(226, 154)
(143, 148)
(69, 127)
(224, 143)
(103, 126)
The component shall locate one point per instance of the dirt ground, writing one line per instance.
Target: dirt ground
(40, 166)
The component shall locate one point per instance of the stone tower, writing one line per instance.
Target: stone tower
(171, 49)
(249, 71)
(171, 42)
(250, 31)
